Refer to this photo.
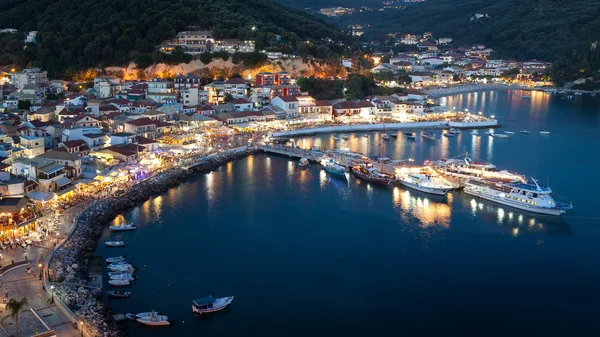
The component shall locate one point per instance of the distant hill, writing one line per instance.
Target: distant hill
(552, 30)
(82, 33)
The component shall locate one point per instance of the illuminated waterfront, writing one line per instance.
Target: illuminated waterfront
(308, 254)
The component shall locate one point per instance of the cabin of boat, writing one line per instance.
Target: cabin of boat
(210, 304)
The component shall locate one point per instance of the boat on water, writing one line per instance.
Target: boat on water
(474, 132)
(393, 135)
(509, 132)
(428, 135)
(489, 133)
(411, 137)
(336, 138)
(409, 133)
(118, 294)
(122, 268)
(119, 283)
(521, 195)
(423, 181)
(526, 132)
(141, 314)
(499, 135)
(366, 135)
(371, 174)
(385, 136)
(465, 167)
(154, 320)
(122, 276)
(448, 134)
(454, 130)
(344, 136)
(570, 97)
(115, 243)
(209, 304)
(544, 132)
(330, 166)
(115, 259)
(123, 227)
(113, 273)
(303, 162)
(578, 93)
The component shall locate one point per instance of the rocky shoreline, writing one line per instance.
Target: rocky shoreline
(70, 261)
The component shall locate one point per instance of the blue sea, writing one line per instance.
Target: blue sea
(308, 254)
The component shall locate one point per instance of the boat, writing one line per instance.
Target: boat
(465, 167)
(449, 134)
(521, 195)
(544, 132)
(428, 135)
(489, 133)
(423, 181)
(385, 136)
(118, 294)
(509, 132)
(332, 167)
(113, 273)
(371, 174)
(499, 135)
(122, 276)
(453, 130)
(570, 97)
(115, 243)
(123, 227)
(578, 93)
(119, 283)
(155, 320)
(206, 305)
(526, 132)
(409, 133)
(115, 259)
(474, 132)
(141, 314)
(366, 135)
(122, 268)
(412, 137)
(393, 135)
(336, 138)
(344, 136)
(303, 162)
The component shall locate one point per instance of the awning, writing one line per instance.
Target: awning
(62, 181)
(85, 181)
(66, 190)
(40, 196)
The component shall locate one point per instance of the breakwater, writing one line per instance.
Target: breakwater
(68, 267)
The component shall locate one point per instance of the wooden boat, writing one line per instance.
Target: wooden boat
(155, 320)
(123, 227)
(118, 294)
(206, 305)
(115, 243)
(115, 259)
(371, 175)
(119, 283)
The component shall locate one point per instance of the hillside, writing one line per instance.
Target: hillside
(551, 30)
(81, 33)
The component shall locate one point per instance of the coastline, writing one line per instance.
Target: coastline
(462, 89)
(70, 261)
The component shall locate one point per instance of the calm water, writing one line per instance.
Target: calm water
(309, 255)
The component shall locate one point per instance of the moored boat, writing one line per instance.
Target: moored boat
(371, 174)
(526, 132)
(366, 135)
(115, 259)
(119, 283)
(113, 273)
(499, 135)
(303, 162)
(154, 320)
(465, 167)
(393, 135)
(115, 243)
(509, 132)
(209, 304)
(474, 132)
(544, 132)
(122, 268)
(332, 167)
(385, 136)
(448, 134)
(428, 135)
(118, 294)
(123, 227)
(344, 136)
(411, 137)
(122, 276)
(423, 181)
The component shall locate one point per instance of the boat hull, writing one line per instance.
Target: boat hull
(334, 172)
(510, 203)
(382, 181)
(430, 190)
(219, 305)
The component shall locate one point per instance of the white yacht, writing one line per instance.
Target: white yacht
(423, 181)
(544, 132)
(525, 196)
(474, 132)
(499, 135)
(509, 132)
(385, 136)
(465, 167)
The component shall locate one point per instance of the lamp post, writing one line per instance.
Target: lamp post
(57, 234)
(52, 292)
(81, 327)
(40, 268)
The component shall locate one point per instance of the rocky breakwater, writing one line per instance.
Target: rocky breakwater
(68, 264)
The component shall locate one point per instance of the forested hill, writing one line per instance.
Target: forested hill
(552, 30)
(81, 33)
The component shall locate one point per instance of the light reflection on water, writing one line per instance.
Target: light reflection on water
(424, 209)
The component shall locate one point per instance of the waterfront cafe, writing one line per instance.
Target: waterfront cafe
(16, 216)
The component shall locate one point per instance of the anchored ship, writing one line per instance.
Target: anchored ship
(423, 181)
(465, 167)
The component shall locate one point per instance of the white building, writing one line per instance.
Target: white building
(289, 104)
(28, 76)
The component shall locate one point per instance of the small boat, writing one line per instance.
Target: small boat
(408, 133)
(449, 134)
(210, 304)
(371, 175)
(424, 182)
(344, 136)
(544, 132)
(489, 133)
(141, 314)
(123, 227)
(393, 135)
(155, 320)
(119, 283)
(123, 276)
(385, 136)
(366, 135)
(115, 243)
(333, 168)
(412, 137)
(509, 132)
(122, 268)
(453, 130)
(303, 162)
(118, 294)
(336, 138)
(578, 93)
(115, 259)
(113, 273)
(570, 97)
(428, 135)
(474, 132)
(499, 135)
(526, 132)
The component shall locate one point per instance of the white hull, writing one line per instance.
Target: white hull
(218, 305)
(430, 190)
(157, 320)
(119, 283)
(115, 259)
(514, 204)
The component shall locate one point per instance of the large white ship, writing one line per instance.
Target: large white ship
(423, 180)
(465, 167)
(521, 195)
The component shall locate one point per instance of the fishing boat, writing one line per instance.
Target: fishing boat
(119, 283)
(449, 134)
(123, 227)
(115, 243)
(499, 135)
(526, 132)
(385, 136)
(332, 167)
(122, 276)
(544, 132)
(115, 259)
(428, 135)
(344, 136)
(474, 132)
(155, 320)
(303, 162)
(509, 132)
(526, 196)
(423, 181)
(118, 294)
(206, 305)
(371, 174)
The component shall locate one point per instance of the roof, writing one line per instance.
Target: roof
(236, 81)
(93, 135)
(145, 141)
(52, 154)
(125, 150)
(323, 103)
(288, 99)
(141, 122)
(152, 112)
(241, 101)
(74, 143)
(51, 168)
(123, 134)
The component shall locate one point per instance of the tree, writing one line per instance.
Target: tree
(206, 58)
(15, 308)
(228, 98)
(23, 105)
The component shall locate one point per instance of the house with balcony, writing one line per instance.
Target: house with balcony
(323, 109)
(70, 161)
(77, 147)
(241, 104)
(32, 145)
(305, 103)
(289, 104)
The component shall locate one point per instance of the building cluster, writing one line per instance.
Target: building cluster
(195, 42)
(336, 11)
(429, 67)
(29, 37)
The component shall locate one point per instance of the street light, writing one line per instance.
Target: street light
(52, 292)
(40, 268)
(81, 327)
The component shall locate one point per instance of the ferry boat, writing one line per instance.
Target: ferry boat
(371, 174)
(525, 132)
(465, 167)
(424, 182)
(428, 135)
(525, 196)
(332, 167)
(206, 305)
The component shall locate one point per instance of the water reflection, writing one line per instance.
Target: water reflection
(427, 211)
(209, 184)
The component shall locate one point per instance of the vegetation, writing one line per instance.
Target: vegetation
(356, 86)
(549, 30)
(74, 34)
(15, 308)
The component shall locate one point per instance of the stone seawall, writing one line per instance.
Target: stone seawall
(69, 263)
